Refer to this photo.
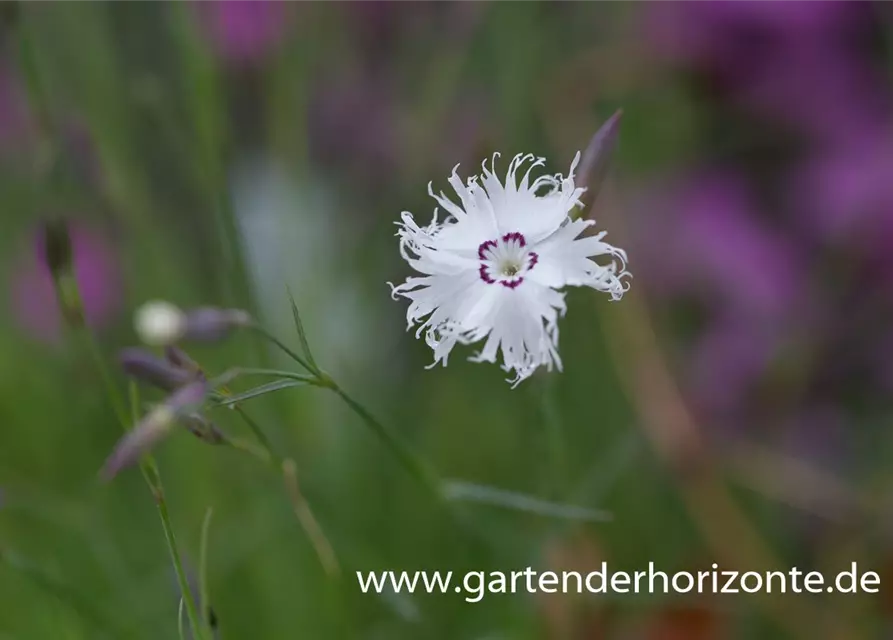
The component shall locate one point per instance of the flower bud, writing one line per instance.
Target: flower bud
(154, 426)
(146, 367)
(57, 247)
(209, 324)
(180, 359)
(57, 254)
(159, 323)
(162, 323)
(203, 429)
(597, 157)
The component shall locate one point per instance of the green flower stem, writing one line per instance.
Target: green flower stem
(149, 469)
(278, 373)
(410, 460)
(260, 435)
(204, 598)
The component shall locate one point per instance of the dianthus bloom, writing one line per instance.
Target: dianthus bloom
(495, 267)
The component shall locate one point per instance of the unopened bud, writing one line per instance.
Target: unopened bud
(158, 372)
(162, 323)
(56, 252)
(159, 323)
(597, 157)
(181, 359)
(203, 429)
(57, 247)
(154, 426)
(209, 324)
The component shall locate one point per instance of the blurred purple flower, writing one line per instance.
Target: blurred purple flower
(818, 91)
(155, 425)
(730, 34)
(96, 269)
(845, 192)
(707, 238)
(354, 122)
(800, 62)
(244, 31)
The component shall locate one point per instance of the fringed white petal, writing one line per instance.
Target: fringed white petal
(493, 269)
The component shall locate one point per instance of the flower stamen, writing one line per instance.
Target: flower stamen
(506, 260)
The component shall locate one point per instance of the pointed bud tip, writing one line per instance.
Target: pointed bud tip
(598, 153)
(146, 367)
(56, 246)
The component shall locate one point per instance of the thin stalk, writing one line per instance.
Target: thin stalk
(259, 434)
(195, 622)
(149, 469)
(556, 442)
(153, 478)
(416, 467)
(204, 599)
(277, 373)
(311, 525)
(413, 464)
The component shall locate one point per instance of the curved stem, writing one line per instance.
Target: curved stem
(410, 460)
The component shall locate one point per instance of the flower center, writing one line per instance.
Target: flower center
(506, 260)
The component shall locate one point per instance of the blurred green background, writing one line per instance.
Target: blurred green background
(733, 408)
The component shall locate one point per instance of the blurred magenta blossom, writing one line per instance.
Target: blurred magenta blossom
(845, 192)
(97, 269)
(799, 62)
(723, 30)
(780, 254)
(355, 123)
(720, 249)
(244, 31)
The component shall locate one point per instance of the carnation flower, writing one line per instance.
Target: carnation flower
(495, 268)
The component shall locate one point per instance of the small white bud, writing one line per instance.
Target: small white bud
(159, 323)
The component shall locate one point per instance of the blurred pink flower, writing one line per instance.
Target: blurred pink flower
(731, 33)
(97, 270)
(354, 123)
(818, 91)
(244, 31)
(800, 62)
(705, 237)
(845, 191)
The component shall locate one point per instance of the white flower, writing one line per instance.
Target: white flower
(494, 269)
(159, 323)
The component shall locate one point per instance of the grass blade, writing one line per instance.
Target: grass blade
(270, 387)
(204, 602)
(461, 491)
(302, 335)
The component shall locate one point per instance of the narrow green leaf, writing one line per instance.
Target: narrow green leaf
(302, 335)
(180, 630)
(204, 602)
(270, 387)
(458, 490)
